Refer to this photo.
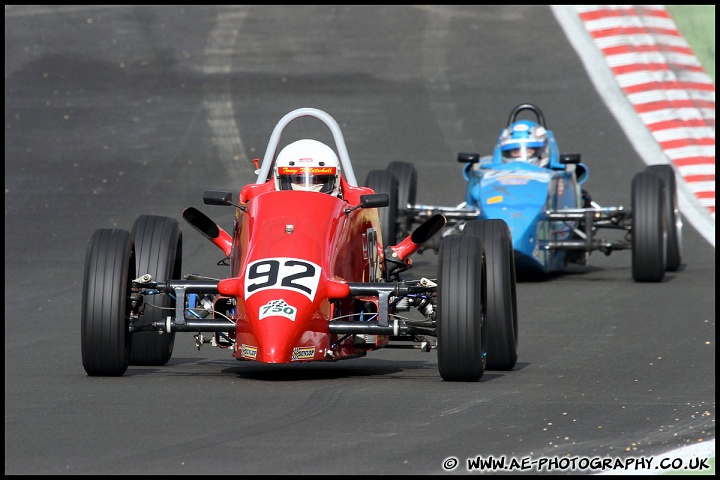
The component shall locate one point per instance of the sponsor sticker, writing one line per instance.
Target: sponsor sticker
(370, 253)
(514, 180)
(505, 177)
(306, 170)
(278, 308)
(248, 351)
(303, 353)
(495, 199)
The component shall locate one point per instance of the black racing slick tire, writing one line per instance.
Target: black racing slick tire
(648, 228)
(673, 219)
(462, 329)
(406, 175)
(158, 251)
(383, 181)
(502, 317)
(105, 336)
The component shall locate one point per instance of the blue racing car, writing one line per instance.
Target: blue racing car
(536, 191)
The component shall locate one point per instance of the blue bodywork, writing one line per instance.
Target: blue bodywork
(552, 220)
(521, 194)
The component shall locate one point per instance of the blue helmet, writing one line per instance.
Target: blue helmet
(525, 141)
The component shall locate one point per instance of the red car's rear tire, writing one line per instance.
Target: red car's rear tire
(406, 175)
(158, 251)
(502, 318)
(383, 181)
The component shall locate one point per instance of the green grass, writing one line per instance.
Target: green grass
(697, 25)
(711, 471)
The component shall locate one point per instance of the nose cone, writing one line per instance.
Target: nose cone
(283, 328)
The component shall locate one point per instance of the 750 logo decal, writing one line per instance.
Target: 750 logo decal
(278, 308)
(284, 274)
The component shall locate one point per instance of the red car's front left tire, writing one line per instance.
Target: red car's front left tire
(104, 334)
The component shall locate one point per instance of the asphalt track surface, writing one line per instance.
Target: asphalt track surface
(112, 112)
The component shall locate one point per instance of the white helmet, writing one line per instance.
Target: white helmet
(308, 165)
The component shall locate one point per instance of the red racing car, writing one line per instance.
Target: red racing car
(304, 284)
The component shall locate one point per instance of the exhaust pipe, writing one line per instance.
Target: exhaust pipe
(208, 229)
(417, 238)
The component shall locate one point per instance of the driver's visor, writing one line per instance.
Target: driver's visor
(520, 152)
(315, 179)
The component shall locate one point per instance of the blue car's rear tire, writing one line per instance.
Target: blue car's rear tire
(105, 336)
(383, 181)
(502, 317)
(462, 330)
(158, 251)
(648, 228)
(673, 220)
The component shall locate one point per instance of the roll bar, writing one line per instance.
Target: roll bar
(527, 106)
(269, 158)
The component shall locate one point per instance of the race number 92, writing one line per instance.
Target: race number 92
(282, 274)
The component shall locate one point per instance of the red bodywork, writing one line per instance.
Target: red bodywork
(291, 253)
(310, 278)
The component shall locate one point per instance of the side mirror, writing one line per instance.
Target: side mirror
(567, 158)
(581, 173)
(221, 198)
(371, 200)
(468, 157)
(217, 198)
(374, 200)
